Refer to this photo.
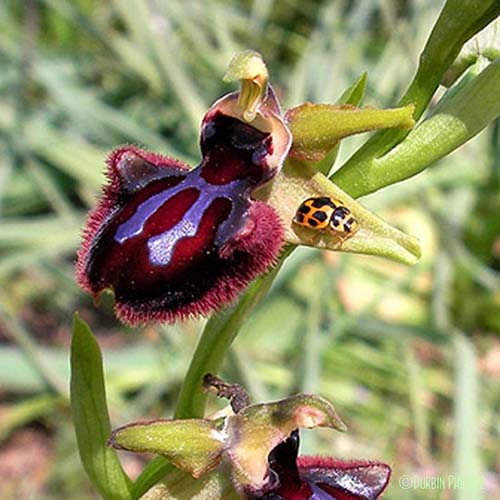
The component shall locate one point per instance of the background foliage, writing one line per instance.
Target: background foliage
(409, 356)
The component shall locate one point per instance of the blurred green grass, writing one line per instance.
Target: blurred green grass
(410, 356)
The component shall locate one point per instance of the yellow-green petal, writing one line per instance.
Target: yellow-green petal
(317, 128)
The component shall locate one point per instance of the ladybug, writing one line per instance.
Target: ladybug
(323, 213)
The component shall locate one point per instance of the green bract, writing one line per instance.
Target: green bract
(299, 181)
(191, 445)
(458, 22)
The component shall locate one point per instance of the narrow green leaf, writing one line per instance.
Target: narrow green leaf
(90, 416)
(354, 94)
(154, 472)
(467, 461)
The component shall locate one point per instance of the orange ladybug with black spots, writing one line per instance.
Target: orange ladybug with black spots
(324, 213)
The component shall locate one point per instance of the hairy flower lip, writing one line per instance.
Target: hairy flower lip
(194, 238)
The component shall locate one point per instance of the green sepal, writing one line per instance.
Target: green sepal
(90, 416)
(257, 429)
(317, 128)
(298, 181)
(192, 445)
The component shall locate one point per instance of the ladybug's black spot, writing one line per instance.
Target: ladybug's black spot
(299, 218)
(319, 215)
(312, 222)
(348, 225)
(321, 202)
(341, 212)
(304, 209)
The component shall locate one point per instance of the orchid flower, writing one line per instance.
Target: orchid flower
(173, 242)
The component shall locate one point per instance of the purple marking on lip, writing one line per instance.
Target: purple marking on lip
(161, 247)
(134, 226)
(235, 220)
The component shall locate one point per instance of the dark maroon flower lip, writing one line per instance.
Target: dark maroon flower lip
(173, 242)
(322, 478)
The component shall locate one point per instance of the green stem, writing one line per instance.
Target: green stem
(214, 343)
